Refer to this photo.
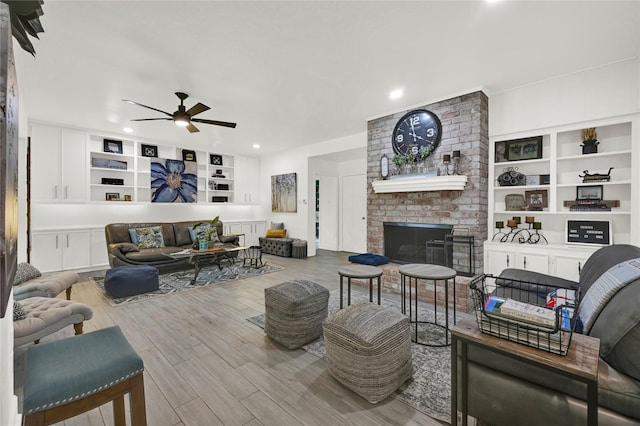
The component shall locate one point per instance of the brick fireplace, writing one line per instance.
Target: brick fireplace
(465, 129)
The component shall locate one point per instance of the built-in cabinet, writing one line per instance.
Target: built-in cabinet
(562, 159)
(56, 250)
(252, 231)
(246, 191)
(58, 164)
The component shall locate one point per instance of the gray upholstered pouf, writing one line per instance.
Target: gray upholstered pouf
(294, 312)
(299, 249)
(125, 281)
(369, 349)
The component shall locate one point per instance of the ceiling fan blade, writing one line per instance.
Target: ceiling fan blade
(197, 109)
(192, 129)
(150, 119)
(145, 106)
(217, 123)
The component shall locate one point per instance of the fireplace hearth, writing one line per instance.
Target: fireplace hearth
(416, 242)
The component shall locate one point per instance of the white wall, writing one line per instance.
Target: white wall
(597, 93)
(302, 223)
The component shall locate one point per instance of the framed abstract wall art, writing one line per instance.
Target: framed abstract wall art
(284, 192)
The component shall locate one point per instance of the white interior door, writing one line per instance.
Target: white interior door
(354, 213)
(328, 214)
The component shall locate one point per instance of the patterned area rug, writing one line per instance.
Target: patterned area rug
(429, 390)
(175, 282)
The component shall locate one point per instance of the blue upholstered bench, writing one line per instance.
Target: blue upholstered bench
(125, 281)
(67, 377)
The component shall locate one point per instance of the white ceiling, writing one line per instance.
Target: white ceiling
(296, 72)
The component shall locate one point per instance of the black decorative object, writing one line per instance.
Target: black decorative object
(524, 149)
(112, 181)
(215, 160)
(188, 155)
(112, 196)
(595, 177)
(589, 232)
(113, 146)
(416, 129)
(511, 177)
(149, 150)
(589, 141)
(217, 199)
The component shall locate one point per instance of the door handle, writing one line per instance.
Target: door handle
(507, 261)
(525, 262)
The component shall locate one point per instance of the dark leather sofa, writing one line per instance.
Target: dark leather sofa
(176, 237)
(505, 391)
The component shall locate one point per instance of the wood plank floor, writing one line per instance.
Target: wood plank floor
(206, 365)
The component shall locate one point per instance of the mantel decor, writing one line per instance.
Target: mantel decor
(419, 183)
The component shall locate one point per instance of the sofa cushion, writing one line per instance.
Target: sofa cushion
(203, 230)
(134, 236)
(276, 233)
(276, 225)
(128, 247)
(150, 237)
(25, 272)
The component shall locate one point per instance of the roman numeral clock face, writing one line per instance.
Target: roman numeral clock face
(416, 129)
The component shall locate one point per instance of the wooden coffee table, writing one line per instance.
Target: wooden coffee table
(201, 258)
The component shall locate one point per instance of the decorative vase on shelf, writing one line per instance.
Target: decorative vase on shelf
(590, 146)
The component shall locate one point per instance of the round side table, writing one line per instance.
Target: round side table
(409, 275)
(361, 272)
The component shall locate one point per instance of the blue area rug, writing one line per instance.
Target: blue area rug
(429, 390)
(175, 282)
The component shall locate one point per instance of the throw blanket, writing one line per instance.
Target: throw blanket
(604, 289)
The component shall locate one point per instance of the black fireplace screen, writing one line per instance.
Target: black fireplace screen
(428, 243)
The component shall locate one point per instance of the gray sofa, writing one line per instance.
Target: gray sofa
(122, 251)
(505, 391)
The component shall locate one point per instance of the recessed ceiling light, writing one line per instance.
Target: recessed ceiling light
(128, 129)
(256, 146)
(395, 94)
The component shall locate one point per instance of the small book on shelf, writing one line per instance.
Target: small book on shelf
(528, 312)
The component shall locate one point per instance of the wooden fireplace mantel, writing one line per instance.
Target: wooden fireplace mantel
(420, 183)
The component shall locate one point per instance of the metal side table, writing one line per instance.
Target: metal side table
(410, 274)
(359, 272)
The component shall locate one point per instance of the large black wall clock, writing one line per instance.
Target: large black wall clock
(416, 129)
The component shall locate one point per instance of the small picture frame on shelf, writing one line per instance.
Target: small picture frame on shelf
(501, 152)
(532, 180)
(188, 155)
(112, 146)
(536, 200)
(149, 150)
(524, 149)
(112, 196)
(589, 192)
(215, 159)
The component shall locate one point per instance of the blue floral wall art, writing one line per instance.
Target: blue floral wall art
(284, 191)
(174, 181)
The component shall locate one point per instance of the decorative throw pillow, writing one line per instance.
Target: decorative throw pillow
(203, 230)
(277, 226)
(276, 233)
(25, 272)
(128, 247)
(18, 312)
(134, 236)
(150, 237)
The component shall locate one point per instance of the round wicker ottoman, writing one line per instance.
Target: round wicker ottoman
(369, 349)
(294, 312)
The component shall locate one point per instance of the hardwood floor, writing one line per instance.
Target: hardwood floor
(206, 365)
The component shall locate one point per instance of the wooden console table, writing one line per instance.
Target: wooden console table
(580, 363)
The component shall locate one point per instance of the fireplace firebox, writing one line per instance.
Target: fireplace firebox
(417, 242)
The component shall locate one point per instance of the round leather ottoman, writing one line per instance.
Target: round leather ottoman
(125, 281)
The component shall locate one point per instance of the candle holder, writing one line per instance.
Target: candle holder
(456, 163)
(500, 227)
(535, 235)
(447, 168)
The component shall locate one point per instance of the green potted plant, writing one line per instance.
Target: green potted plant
(399, 160)
(423, 155)
(206, 231)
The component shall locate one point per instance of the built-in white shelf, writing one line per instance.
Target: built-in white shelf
(419, 183)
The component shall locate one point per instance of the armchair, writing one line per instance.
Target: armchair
(505, 391)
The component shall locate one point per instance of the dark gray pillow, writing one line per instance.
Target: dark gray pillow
(128, 247)
(18, 312)
(25, 272)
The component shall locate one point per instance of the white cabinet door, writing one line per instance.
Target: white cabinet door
(259, 230)
(569, 266)
(45, 163)
(73, 166)
(533, 261)
(58, 164)
(99, 256)
(498, 260)
(247, 172)
(46, 251)
(76, 250)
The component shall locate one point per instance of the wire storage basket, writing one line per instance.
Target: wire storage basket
(533, 314)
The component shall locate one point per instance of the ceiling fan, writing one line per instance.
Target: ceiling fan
(183, 117)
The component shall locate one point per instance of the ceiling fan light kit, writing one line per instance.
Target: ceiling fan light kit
(183, 117)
